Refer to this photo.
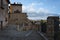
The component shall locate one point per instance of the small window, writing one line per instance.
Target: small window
(9, 14)
(5, 19)
(17, 11)
(2, 4)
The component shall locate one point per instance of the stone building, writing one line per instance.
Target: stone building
(3, 13)
(16, 16)
(16, 7)
(52, 27)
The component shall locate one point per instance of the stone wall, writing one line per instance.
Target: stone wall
(52, 27)
(3, 12)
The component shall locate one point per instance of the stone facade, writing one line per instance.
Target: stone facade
(3, 13)
(16, 16)
(16, 7)
(52, 27)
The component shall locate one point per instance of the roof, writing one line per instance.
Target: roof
(17, 4)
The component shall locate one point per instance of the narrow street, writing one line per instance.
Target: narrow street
(11, 33)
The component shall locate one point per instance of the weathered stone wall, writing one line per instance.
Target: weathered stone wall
(18, 17)
(4, 12)
(52, 27)
(15, 7)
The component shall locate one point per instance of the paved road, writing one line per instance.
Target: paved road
(34, 36)
(11, 33)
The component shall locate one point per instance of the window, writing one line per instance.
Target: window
(9, 14)
(5, 19)
(17, 11)
(2, 4)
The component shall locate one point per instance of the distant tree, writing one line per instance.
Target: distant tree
(32, 22)
(43, 26)
(41, 22)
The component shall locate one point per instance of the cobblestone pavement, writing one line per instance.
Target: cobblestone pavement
(11, 33)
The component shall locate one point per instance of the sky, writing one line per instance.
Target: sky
(40, 9)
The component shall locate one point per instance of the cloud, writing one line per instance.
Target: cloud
(36, 18)
(24, 8)
(43, 10)
(37, 14)
(29, 8)
(37, 3)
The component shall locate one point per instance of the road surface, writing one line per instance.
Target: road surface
(11, 33)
